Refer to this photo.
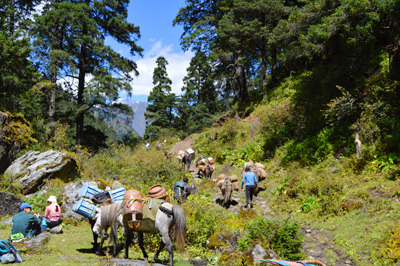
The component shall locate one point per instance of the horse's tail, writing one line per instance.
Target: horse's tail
(180, 226)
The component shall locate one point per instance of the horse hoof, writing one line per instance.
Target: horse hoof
(146, 260)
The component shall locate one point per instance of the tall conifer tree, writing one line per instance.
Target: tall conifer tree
(161, 109)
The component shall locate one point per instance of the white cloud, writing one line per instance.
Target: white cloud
(176, 68)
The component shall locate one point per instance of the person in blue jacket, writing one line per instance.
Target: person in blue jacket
(251, 185)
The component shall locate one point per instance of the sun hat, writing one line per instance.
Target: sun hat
(52, 199)
(25, 205)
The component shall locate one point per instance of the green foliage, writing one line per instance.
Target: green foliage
(311, 150)
(309, 203)
(221, 143)
(282, 236)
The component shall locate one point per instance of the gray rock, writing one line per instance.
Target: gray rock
(257, 253)
(9, 203)
(34, 167)
(7, 221)
(223, 241)
(126, 262)
(57, 229)
(116, 184)
(71, 191)
(34, 242)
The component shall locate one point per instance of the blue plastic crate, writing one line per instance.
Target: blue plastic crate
(84, 207)
(117, 194)
(89, 191)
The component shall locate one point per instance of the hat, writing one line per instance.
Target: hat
(52, 199)
(25, 205)
(247, 169)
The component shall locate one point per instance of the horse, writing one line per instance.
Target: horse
(226, 189)
(186, 160)
(106, 217)
(103, 235)
(159, 145)
(208, 171)
(167, 216)
(168, 155)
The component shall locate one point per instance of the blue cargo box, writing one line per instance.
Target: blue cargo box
(117, 194)
(89, 191)
(84, 207)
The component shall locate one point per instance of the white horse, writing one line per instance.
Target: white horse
(106, 217)
(168, 215)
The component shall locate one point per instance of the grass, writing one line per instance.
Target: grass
(74, 247)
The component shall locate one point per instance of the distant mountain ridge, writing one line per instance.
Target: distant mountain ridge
(139, 108)
(119, 122)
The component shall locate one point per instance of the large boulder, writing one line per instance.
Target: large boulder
(33, 243)
(33, 168)
(15, 134)
(9, 203)
(71, 191)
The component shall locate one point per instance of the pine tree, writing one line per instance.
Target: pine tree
(200, 99)
(161, 102)
(76, 39)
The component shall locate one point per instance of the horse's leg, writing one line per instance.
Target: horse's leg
(128, 241)
(168, 243)
(189, 162)
(102, 238)
(140, 237)
(95, 236)
(160, 248)
(114, 237)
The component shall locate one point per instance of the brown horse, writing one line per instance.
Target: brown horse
(226, 189)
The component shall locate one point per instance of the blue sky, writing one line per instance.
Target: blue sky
(158, 37)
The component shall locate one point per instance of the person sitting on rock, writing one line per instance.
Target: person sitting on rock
(251, 185)
(52, 215)
(25, 222)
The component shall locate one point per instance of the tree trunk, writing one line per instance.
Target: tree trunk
(52, 107)
(81, 88)
(12, 17)
(273, 65)
(263, 72)
(241, 79)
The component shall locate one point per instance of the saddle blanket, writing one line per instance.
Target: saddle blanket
(150, 208)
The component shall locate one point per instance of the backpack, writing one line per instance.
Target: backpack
(6, 247)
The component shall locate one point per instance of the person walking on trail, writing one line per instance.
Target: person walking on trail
(251, 185)
(25, 222)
